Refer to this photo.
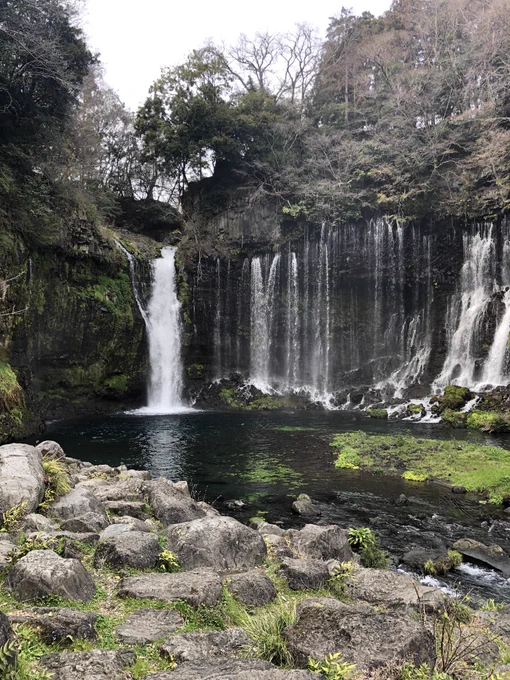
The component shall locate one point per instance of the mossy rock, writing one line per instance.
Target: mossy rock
(416, 409)
(451, 560)
(379, 413)
(454, 418)
(453, 398)
(488, 421)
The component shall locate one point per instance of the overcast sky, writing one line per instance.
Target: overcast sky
(137, 37)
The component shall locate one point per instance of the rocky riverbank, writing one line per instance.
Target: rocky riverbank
(107, 573)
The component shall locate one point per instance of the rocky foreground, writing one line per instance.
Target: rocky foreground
(108, 574)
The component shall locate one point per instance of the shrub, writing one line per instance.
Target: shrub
(341, 577)
(57, 480)
(11, 519)
(487, 421)
(167, 561)
(332, 667)
(366, 543)
(453, 559)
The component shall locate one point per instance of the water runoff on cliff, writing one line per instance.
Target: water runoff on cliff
(353, 307)
(162, 318)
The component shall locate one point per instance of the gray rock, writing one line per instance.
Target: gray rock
(208, 509)
(116, 530)
(231, 669)
(277, 546)
(95, 665)
(194, 587)
(114, 489)
(270, 529)
(21, 477)
(7, 545)
(392, 589)
(90, 522)
(307, 574)
(220, 543)
(252, 587)
(169, 504)
(51, 449)
(43, 572)
(198, 646)
(320, 543)
(77, 503)
(402, 500)
(416, 559)
(132, 508)
(305, 506)
(142, 475)
(135, 524)
(35, 522)
(183, 488)
(58, 624)
(148, 625)
(361, 635)
(492, 555)
(135, 549)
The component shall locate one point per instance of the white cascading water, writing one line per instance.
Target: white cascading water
(164, 331)
(262, 314)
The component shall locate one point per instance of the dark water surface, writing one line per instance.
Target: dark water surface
(264, 460)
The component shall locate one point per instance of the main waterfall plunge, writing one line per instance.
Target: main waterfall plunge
(379, 306)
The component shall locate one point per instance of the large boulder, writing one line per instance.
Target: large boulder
(361, 635)
(58, 624)
(491, 555)
(304, 506)
(114, 489)
(202, 645)
(34, 522)
(76, 503)
(135, 524)
(43, 572)
(96, 665)
(148, 625)
(393, 590)
(253, 587)
(135, 549)
(170, 504)
(21, 477)
(132, 508)
(220, 543)
(305, 574)
(231, 669)
(194, 587)
(320, 542)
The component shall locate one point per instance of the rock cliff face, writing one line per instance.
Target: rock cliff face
(75, 343)
(348, 309)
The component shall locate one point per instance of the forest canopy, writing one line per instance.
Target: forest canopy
(405, 115)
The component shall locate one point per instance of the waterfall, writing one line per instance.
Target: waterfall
(466, 310)
(164, 330)
(262, 317)
(494, 368)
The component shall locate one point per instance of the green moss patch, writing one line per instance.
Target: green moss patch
(483, 469)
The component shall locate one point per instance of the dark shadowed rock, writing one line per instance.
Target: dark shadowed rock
(135, 549)
(252, 587)
(231, 669)
(90, 522)
(492, 555)
(320, 543)
(35, 522)
(7, 545)
(305, 506)
(393, 590)
(43, 572)
(76, 503)
(132, 508)
(6, 635)
(58, 624)
(306, 574)
(95, 665)
(147, 625)
(169, 504)
(199, 646)
(51, 449)
(459, 489)
(220, 543)
(194, 587)
(361, 635)
(21, 477)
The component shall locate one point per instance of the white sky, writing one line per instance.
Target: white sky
(136, 38)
